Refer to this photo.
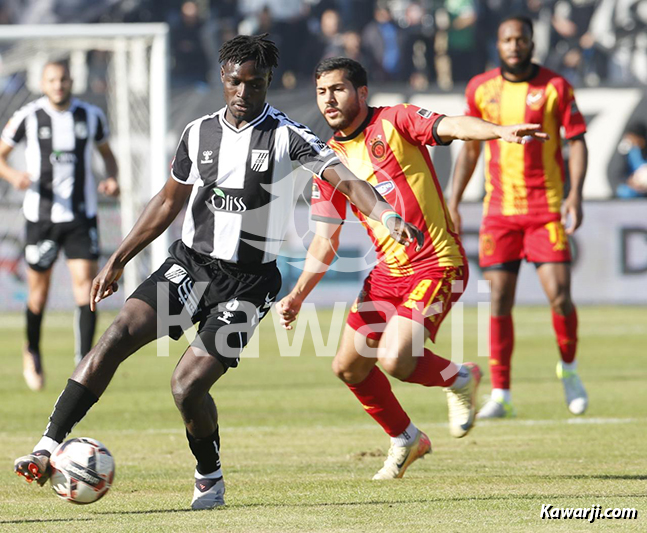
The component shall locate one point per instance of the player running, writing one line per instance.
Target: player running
(235, 169)
(523, 213)
(408, 293)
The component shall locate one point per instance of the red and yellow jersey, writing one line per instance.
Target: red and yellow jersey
(389, 150)
(525, 179)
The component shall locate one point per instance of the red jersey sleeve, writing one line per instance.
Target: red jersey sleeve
(416, 124)
(327, 203)
(570, 116)
(471, 108)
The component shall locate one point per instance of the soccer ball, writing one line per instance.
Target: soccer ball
(82, 470)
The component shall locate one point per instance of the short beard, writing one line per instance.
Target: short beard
(517, 69)
(347, 118)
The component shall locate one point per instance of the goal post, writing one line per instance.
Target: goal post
(132, 74)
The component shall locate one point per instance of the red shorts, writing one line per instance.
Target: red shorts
(425, 297)
(537, 239)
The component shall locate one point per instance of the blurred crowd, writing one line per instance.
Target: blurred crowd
(419, 42)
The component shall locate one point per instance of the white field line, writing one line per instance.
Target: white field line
(279, 429)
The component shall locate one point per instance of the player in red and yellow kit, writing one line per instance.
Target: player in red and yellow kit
(523, 214)
(408, 293)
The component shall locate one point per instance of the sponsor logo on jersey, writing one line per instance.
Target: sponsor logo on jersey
(424, 113)
(385, 187)
(316, 192)
(260, 160)
(206, 157)
(220, 201)
(232, 305)
(81, 130)
(62, 158)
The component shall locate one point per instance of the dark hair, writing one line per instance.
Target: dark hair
(637, 128)
(247, 47)
(58, 63)
(355, 72)
(519, 18)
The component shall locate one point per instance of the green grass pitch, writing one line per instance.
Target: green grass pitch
(298, 451)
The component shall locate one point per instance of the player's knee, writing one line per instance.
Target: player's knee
(348, 373)
(561, 302)
(186, 393)
(393, 365)
(115, 342)
(501, 301)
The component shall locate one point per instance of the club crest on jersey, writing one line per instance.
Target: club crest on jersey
(175, 274)
(378, 148)
(260, 160)
(206, 157)
(316, 192)
(535, 99)
(44, 132)
(81, 130)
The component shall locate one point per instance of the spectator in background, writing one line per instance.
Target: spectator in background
(462, 39)
(633, 147)
(330, 41)
(382, 41)
(418, 47)
(574, 55)
(190, 62)
(353, 47)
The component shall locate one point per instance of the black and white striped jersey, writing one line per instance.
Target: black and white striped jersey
(243, 182)
(58, 152)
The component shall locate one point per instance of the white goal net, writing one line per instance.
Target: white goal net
(122, 68)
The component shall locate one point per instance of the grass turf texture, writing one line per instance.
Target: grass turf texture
(299, 452)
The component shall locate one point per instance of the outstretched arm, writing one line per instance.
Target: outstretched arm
(157, 216)
(476, 129)
(370, 202)
(465, 165)
(321, 253)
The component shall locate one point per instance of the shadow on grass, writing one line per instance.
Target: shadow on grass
(623, 477)
(45, 520)
(542, 497)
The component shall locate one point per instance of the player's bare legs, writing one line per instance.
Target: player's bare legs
(556, 281)
(38, 287)
(192, 379)
(503, 286)
(134, 326)
(83, 272)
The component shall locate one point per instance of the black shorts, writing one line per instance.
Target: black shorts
(227, 300)
(78, 238)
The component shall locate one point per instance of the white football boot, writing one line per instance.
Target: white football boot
(574, 391)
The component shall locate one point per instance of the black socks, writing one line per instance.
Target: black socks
(71, 406)
(85, 323)
(33, 331)
(206, 452)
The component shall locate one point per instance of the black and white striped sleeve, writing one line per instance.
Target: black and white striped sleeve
(102, 132)
(310, 151)
(14, 131)
(184, 168)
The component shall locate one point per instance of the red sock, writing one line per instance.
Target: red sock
(375, 395)
(566, 331)
(501, 344)
(429, 368)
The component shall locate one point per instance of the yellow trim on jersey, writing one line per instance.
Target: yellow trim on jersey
(552, 171)
(513, 182)
(431, 205)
